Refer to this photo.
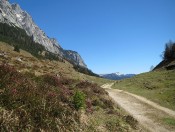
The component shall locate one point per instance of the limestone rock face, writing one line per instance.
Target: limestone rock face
(13, 15)
(73, 55)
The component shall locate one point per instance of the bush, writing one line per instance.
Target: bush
(79, 100)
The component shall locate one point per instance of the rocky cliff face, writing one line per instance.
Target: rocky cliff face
(15, 16)
(73, 55)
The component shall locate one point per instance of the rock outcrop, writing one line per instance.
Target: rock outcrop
(73, 55)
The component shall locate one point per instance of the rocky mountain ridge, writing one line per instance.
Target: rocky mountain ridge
(13, 15)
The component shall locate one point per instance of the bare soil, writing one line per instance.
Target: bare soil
(149, 114)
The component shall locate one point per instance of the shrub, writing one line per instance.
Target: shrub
(79, 100)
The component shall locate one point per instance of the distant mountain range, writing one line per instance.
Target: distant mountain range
(14, 16)
(116, 76)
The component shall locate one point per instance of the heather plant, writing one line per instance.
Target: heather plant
(31, 107)
(90, 89)
(52, 80)
(47, 102)
(96, 95)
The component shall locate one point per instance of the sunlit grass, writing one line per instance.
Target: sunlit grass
(158, 86)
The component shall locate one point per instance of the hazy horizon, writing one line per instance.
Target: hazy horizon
(111, 36)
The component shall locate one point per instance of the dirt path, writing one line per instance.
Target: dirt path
(149, 114)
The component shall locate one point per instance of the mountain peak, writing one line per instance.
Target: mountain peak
(118, 73)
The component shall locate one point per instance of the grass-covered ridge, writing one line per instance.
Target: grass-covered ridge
(158, 86)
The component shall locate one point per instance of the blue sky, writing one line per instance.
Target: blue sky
(126, 36)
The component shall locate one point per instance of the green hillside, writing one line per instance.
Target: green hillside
(158, 86)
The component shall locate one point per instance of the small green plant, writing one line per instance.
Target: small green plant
(79, 100)
(16, 48)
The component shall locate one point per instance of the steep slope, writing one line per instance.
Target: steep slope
(15, 16)
(116, 76)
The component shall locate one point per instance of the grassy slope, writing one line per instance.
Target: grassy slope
(30, 86)
(40, 67)
(158, 86)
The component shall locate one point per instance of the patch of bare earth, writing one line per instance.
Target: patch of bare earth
(147, 113)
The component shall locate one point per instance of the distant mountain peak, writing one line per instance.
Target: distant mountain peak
(118, 73)
(117, 76)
